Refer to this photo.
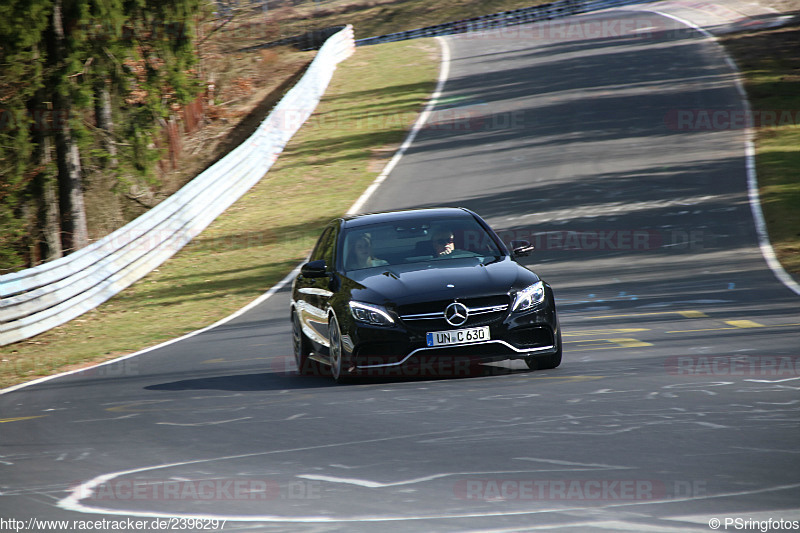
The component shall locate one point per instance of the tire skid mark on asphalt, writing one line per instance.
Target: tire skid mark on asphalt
(123, 417)
(581, 467)
(209, 423)
(572, 463)
(187, 405)
(686, 314)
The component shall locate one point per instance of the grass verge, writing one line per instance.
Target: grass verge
(770, 62)
(373, 99)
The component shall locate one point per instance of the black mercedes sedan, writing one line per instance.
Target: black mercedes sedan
(411, 292)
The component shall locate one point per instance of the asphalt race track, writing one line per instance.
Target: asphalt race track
(677, 401)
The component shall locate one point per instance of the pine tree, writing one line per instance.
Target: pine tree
(84, 85)
(160, 36)
(22, 23)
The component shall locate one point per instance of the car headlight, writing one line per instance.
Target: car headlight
(373, 314)
(529, 297)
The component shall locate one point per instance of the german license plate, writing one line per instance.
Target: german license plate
(458, 336)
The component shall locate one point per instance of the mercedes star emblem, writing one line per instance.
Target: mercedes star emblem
(456, 314)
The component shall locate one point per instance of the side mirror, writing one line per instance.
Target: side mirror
(314, 269)
(521, 248)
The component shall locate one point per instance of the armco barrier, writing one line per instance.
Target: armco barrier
(311, 40)
(37, 299)
(527, 15)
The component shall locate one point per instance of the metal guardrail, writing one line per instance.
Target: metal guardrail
(310, 40)
(37, 299)
(554, 10)
(562, 8)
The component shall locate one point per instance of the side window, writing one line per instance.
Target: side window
(328, 253)
(326, 246)
(319, 248)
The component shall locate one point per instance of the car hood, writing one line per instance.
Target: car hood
(419, 282)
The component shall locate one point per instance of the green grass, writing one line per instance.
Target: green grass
(770, 62)
(372, 101)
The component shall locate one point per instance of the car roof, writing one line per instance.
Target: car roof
(355, 221)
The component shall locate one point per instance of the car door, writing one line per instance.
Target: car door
(314, 293)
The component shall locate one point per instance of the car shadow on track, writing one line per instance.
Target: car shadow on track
(266, 381)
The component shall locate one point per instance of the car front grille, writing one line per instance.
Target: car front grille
(482, 312)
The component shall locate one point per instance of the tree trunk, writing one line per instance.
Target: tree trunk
(70, 182)
(48, 219)
(70, 192)
(47, 235)
(105, 122)
(51, 228)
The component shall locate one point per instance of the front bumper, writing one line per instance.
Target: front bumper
(512, 336)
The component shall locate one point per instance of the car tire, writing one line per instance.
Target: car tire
(546, 362)
(336, 354)
(301, 347)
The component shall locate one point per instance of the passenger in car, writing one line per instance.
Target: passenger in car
(361, 254)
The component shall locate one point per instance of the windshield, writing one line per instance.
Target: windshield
(415, 241)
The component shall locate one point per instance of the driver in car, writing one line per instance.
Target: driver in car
(443, 242)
